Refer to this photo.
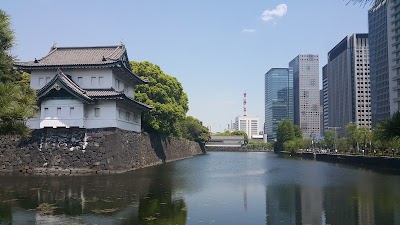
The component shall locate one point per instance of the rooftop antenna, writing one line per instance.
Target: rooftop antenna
(244, 103)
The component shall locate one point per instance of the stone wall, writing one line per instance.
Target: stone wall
(235, 149)
(380, 162)
(87, 151)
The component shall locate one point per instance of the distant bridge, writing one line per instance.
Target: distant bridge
(225, 141)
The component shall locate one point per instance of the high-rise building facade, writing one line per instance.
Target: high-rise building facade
(348, 83)
(384, 30)
(247, 124)
(306, 94)
(278, 99)
(325, 117)
(379, 63)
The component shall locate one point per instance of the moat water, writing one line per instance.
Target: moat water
(216, 188)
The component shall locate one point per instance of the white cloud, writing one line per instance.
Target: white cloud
(279, 11)
(248, 30)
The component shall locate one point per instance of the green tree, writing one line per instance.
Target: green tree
(235, 133)
(365, 136)
(353, 134)
(285, 132)
(238, 133)
(343, 144)
(192, 129)
(390, 128)
(17, 99)
(165, 93)
(297, 131)
(330, 137)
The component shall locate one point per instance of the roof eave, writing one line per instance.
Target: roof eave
(49, 67)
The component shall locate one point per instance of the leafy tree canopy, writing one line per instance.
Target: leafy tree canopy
(285, 132)
(17, 99)
(235, 133)
(330, 137)
(192, 129)
(297, 131)
(165, 93)
(390, 128)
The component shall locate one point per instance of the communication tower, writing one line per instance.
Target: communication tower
(244, 103)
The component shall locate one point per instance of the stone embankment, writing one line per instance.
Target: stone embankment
(235, 149)
(92, 151)
(355, 160)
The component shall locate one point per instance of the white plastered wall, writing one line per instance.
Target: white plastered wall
(61, 113)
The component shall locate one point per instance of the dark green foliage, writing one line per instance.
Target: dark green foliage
(330, 137)
(285, 132)
(192, 129)
(390, 128)
(239, 133)
(235, 133)
(352, 134)
(297, 132)
(17, 99)
(165, 93)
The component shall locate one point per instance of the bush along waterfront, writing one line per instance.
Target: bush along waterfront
(384, 140)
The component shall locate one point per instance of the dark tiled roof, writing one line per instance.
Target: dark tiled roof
(87, 95)
(63, 81)
(78, 56)
(103, 93)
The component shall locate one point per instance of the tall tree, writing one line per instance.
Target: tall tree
(330, 138)
(7, 73)
(284, 133)
(17, 99)
(165, 93)
(390, 128)
(192, 129)
(297, 132)
(353, 134)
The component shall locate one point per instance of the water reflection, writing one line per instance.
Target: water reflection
(219, 188)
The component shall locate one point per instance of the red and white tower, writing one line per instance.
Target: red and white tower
(244, 103)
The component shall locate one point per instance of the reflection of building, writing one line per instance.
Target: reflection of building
(86, 87)
(283, 205)
(349, 97)
(247, 124)
(278, 99)
(306, 93)
(311, 206)
(340, 206)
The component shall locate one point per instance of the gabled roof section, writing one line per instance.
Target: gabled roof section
(62, 81)
(78, 56)
(113, 94)
(84, 57)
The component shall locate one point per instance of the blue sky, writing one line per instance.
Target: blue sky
(217, 49)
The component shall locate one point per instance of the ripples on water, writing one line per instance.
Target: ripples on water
(217, 188)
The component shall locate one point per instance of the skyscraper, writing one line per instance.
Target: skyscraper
(325, 118)
(278, 99)
(379, 63)
(348, 83)
(306, 94)
(384, 27)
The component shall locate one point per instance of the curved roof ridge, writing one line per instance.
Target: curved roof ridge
(114, 52)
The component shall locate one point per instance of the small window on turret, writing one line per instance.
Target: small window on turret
(96, 112)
